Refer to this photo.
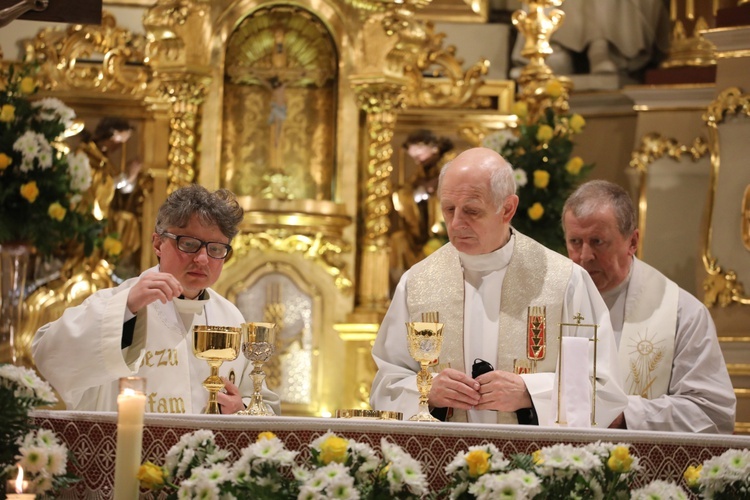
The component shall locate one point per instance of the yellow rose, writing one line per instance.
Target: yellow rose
(544, 133)
(478, 461)
(692, 474)
(577, 123)
(151, 476)
(27, 85)
(553, 89)
(620, 459)
(266, 435)
(574, 165)
(334, 449)
(112, 246)
(30, 191)
(535, 211)
(5, 161)
(541, 179)
(56, 211)
(7, 113)
(520, 109)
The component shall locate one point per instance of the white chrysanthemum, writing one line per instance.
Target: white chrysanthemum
(33, 459)
(343, 490)
(566, 459)
(308, 493)
(514, 484)
(51, 109)
(659, 490)
(363, 453)
(519, 175)
(42, 483)
(79, 169)
(57, 460)
(33, 146)
(404, 470)
(497, 140)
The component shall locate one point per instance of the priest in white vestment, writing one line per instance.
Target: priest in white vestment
(143, 327)
(672, 366)
(481, 284)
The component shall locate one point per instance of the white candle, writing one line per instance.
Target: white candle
(131, 405)
(19, 486)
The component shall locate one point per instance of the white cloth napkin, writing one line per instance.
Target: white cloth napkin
(575, 385)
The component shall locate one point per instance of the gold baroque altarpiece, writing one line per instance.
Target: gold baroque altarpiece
(295, 107)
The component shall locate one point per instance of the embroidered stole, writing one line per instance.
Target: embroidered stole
(647, 344)
(536, 276)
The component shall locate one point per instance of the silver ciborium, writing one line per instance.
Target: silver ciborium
(425, 340)
(258, 346)
(215, 344)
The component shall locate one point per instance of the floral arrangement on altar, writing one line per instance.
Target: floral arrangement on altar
(345, 469)
(540, 150)
(42, 184)
(339, 468)
(37, 452)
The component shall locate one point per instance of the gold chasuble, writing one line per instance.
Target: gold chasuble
(536, 276)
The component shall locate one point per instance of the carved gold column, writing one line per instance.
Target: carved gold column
(178, 51)
(380, 98)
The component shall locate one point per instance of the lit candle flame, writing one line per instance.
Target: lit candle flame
(128, 392)
(19, 480)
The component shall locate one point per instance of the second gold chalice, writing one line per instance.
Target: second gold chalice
(215, 344)
(258, 341)
(425, 340)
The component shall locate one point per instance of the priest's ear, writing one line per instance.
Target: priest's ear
(508, 208)
(633, 241)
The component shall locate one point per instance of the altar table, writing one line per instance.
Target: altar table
(91, 437)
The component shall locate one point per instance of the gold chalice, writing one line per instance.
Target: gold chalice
(258, 345)
(215, 344)
(425, 339)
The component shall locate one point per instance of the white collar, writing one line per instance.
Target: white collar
(492, 261)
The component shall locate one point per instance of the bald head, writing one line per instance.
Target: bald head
(477, 195)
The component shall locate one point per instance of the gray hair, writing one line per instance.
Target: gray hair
(592, 195)
(502, 180)
(219, 208)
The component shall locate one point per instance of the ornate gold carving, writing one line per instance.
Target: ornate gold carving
(690, 50)
(69, 59)
(720, 286)
(324, 251)
(448, 86)
(537, 27)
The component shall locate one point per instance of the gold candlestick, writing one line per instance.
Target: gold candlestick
(215, 344)
(425, 340)
(258, 340)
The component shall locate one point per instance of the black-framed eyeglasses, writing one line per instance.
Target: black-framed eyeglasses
(188, 244)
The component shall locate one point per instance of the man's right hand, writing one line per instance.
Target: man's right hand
(152, 287)
(454, 389)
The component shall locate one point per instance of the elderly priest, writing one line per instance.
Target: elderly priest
(481, 285)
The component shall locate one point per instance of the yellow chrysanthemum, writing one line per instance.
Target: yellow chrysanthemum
(574, 165)
(334, 449)
(537, 457)
(56, 211)
(520, 109)
(151, 476)
(30, 191)
(577, 123)
(266, 435)
(535, 211)
(692, 474)
(27, 85)
(112, 246)
(553, 89)
(7, 113)
(5, 161)
(544, 134)
(620, 459)
(541, 179)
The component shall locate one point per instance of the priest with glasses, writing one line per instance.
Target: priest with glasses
(143, 327)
